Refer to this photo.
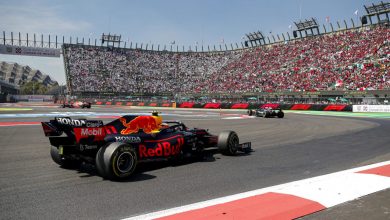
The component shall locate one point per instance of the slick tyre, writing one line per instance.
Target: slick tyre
(54, 153)
(99, 162)
(228, 142)
(116, 161)
(280, 114)
(267, 114)
(63, 162)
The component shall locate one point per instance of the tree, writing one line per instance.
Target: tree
(32, 87)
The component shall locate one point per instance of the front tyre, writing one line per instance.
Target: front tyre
(116, 161)
(280, 114)
(228, 142)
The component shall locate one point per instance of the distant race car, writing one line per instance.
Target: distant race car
(118, 147)
(78, 104)
(266, 112)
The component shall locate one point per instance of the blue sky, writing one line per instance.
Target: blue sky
(207, 22)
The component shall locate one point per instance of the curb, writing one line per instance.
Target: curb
(289, 200)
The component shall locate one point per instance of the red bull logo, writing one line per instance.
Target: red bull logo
(149, 124)
(163, 149)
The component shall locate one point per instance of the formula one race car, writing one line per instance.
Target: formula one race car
(76, 105)
(266, 112)
(117, 147)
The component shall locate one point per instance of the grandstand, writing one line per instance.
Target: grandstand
(351, 60)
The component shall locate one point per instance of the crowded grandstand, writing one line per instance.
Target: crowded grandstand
(356, 59)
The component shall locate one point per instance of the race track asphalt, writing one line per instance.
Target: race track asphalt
(297, 147)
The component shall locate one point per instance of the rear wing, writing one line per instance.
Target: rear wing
(75, 129)
(80, 130)
(65, 124)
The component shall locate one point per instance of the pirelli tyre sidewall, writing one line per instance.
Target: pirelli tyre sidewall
(119, 160)
(228, 142)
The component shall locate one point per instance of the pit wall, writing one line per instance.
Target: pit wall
(311, 107)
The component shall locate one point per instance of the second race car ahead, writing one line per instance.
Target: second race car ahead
(116, 148)
(78, 104)
(266, 112)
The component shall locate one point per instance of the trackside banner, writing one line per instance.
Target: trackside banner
(29, 51)
(371, 108)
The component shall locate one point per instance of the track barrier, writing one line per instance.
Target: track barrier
(211, 105)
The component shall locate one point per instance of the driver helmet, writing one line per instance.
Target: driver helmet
(164, 125)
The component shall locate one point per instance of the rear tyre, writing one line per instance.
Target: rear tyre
(116, 161)
(54, 153)
(228, 142)
(250, 112)
(280, 114)
(63, 162)
(99, 162)
(267, 114)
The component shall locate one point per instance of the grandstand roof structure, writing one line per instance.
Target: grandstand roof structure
(378, 8)
(306, 24)
(256, 37)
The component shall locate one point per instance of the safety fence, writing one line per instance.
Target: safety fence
(313, 107)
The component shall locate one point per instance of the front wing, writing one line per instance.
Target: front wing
(245, 147)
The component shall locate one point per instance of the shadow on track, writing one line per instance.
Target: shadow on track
(86, 170)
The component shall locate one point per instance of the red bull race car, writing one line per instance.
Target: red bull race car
(116, 148)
